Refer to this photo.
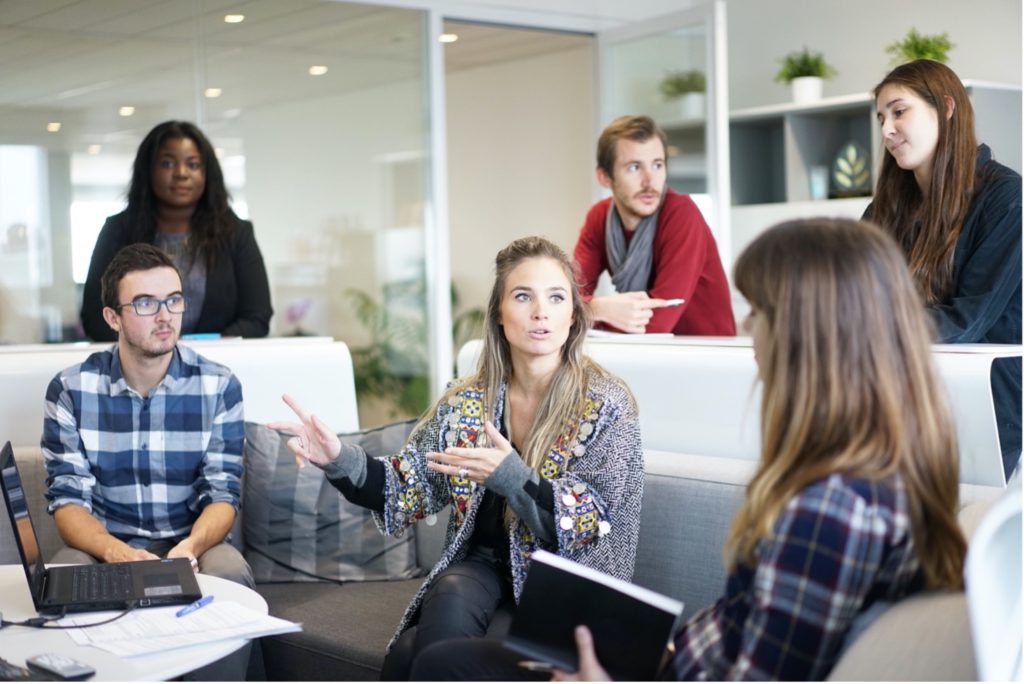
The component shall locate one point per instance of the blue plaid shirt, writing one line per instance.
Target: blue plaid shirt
(838, 546)
(144, 466)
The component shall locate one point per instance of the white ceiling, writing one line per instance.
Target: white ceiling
(77, 61)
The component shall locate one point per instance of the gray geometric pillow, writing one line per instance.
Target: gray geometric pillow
(299, 528)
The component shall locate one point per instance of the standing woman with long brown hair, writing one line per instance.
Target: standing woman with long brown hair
(956, 213)
(855, 495)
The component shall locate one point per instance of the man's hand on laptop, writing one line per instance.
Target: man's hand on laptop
(121, 552)
(184, 550)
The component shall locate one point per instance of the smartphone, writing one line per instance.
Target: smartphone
(60, 666)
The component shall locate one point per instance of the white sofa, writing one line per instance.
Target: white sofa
(699, 397)
(316, 369)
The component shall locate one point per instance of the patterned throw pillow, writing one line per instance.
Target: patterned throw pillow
(299, 528)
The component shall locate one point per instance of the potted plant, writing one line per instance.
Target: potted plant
(805, 71)
(917, 46)
(686, 87)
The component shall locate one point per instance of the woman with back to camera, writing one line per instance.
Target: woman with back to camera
(956, 213)
(540, 448)
(855, 494)
(177, 201)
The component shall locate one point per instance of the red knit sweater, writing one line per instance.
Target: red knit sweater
(685, 264)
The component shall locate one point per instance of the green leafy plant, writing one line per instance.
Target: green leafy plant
(918, 46)
(394, 363)
(804, 63)
(675, 84)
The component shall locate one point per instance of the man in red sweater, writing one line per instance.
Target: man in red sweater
(652, 241)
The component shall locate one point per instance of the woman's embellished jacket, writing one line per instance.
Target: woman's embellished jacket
(596, 469)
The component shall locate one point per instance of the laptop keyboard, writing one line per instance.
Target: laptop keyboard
(101, 583)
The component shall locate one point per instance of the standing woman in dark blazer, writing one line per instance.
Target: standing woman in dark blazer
(177, 201)
(956, 213)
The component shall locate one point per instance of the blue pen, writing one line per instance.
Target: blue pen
(205, 601)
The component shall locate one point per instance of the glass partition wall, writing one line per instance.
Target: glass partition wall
(319, 114)
(673, 70)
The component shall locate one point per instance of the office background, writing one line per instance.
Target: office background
(406, 163)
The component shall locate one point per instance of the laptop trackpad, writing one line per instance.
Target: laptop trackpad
(161, 584)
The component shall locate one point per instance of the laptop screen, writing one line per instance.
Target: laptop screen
(21, 523)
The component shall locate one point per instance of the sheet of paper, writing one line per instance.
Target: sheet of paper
(158, 629)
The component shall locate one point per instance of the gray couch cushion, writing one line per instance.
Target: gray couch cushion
(299, 528)
(345, 628)
(689, 503)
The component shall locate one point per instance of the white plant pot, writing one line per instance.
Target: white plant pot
(806, 89)
(692, 106)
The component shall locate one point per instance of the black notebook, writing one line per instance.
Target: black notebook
(632, 626)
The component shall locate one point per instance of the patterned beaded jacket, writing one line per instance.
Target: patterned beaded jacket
(596, 470)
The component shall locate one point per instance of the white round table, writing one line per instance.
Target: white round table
(19, 643)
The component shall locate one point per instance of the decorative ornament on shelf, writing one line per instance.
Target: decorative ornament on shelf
(918, 46)
(686, 87)
(851, 171)
(805, 72)
(294, 313)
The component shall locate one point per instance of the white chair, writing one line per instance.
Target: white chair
(993, 579)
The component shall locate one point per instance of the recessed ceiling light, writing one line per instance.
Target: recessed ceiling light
(212, 92)
(448, 37)
(53, 126)
(317, 70)
(219, 151)
(94, 149)
(234, 18)
(126, 111)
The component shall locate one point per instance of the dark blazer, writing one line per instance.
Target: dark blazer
(237, 300)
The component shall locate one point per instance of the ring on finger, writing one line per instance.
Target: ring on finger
(463, 473)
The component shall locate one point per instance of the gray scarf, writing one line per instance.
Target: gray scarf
(630, 268)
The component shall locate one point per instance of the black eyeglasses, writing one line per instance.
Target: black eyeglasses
(149, 306)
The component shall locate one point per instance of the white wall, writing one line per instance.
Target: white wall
(853, 34)
(520, 159)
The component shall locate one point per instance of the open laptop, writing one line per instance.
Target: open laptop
(103, 586)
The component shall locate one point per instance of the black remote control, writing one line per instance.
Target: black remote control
(9, 672)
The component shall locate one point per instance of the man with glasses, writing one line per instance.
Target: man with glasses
(143, 442)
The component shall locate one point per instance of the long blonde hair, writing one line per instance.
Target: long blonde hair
(568, 390)
(849, 385)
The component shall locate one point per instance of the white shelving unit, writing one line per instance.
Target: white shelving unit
(772, 149)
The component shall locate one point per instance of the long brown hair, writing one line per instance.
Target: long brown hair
(927, 231)
(849, 385)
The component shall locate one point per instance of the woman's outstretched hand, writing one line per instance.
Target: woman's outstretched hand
(475, 463)
(313, 440)
(590, 669)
